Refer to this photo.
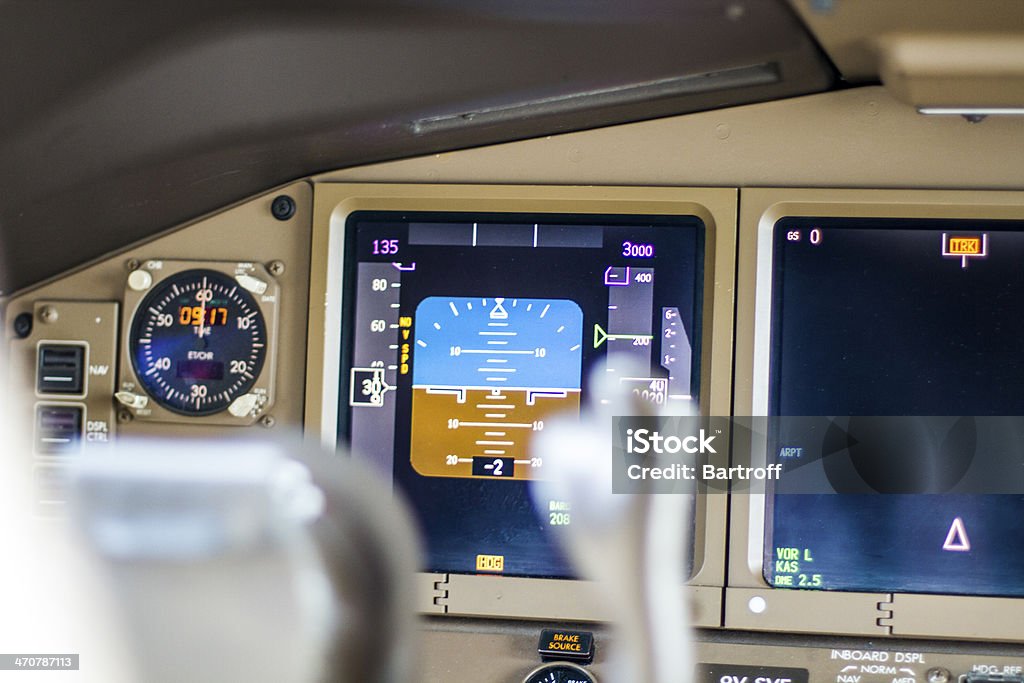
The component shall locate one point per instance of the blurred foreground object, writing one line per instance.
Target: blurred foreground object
(251, 562)
(633, 545)
(54, 596)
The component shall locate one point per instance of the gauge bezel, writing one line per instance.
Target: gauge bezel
(568, 665)
(267, 304)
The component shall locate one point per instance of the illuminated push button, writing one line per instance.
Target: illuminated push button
(560, 644)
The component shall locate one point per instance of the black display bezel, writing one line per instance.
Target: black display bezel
(883, 225)
(346, 345)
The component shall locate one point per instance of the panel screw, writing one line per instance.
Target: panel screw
(132, 264)
(735, 11)
(124, 416)
(48, 314)
(938, 675)
(276, 267)
(23, 325)
(267, 421)
(283, 207)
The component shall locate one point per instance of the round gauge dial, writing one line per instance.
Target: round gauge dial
(560, 672)
(198, 342)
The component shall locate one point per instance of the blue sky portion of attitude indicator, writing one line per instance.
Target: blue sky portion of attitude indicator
(498, 343)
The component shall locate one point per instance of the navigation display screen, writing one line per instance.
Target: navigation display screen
(463, 334)
(897, 318)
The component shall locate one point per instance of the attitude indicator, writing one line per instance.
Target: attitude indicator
(487, 372)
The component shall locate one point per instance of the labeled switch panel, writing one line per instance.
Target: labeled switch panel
(68, 360)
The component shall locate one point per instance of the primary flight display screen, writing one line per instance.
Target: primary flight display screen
(464, 334)
(885, 317)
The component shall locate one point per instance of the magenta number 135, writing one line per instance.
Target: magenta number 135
(385, 247)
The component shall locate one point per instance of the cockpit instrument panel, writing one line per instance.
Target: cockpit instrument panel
(200, 342)
(880, 335)
(450, 325)
(468, 332)
(884, 321)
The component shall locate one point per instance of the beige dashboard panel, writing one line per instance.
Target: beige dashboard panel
(941, 72)
(333, 202)
(855, 138)
(976, 618)
(245, 232)
(750, 602)
(505, 651)
(546, 600)
(849, 31)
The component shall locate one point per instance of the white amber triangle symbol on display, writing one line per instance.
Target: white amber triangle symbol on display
(499, 312)
(956, 539)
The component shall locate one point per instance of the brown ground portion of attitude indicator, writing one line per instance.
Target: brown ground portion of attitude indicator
(491, 424)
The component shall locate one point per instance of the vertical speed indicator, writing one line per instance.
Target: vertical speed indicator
(198, 342)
